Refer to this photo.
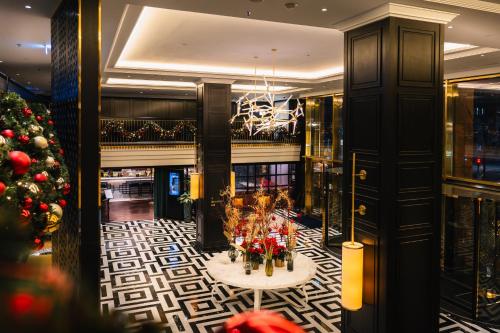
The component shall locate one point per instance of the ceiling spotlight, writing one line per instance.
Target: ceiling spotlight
(291, 5)
(482, 55)
(17, 74)
(27, 7)
(141, 92)
(450, 27)
(324, 9)
(1, 61)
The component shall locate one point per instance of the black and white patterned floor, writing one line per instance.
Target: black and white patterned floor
(151, 272)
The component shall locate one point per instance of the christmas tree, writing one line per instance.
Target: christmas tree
(33, 177)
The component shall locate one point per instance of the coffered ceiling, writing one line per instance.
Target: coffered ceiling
(147, 41)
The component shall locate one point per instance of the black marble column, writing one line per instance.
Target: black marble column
(76, 107)
(393, 120)
(213, 148)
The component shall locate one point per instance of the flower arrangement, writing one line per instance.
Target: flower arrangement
(259, 233)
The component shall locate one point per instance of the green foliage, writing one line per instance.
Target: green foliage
(25, 196)
(185, 198)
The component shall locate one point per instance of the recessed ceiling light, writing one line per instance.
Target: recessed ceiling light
(17, 74)
(291, 5)
(324, 9)
(482, 55)
(27, 7)
(1, 61)
(450, 27)
(141, 92)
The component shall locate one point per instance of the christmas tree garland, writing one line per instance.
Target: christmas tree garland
(114, 127)
(33, 177)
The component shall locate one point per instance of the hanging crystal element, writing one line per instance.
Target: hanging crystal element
(260, 112)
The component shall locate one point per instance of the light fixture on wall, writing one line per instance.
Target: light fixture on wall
(352, 255)
(260, 113)
(194, 185)
(233, 184)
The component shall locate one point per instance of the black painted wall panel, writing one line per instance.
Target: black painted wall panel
(393, 121)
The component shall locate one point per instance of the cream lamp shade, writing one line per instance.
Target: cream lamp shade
(233, 184)
(352, 276)
(195, 186)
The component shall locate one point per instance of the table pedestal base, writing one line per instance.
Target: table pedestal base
(257, 296)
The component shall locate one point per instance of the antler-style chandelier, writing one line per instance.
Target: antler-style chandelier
(262, 113)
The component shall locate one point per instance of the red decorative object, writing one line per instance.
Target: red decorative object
(8, 133)
(61, 151)
(260, 322)
(62, 203)
(66, 188)
(25, 214)
(2, 188)
(39, 118)
(40, 178)
(34, 160)
(50, 122)
(20, 162)
(43, 207)
(21, 304)
(52, 142)
(28, 203)
(27, 112)
(24, 139)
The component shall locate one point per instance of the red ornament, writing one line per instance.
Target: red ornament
(61, 151)
(20, 162)
(52, 142)
(40, 178)
(38, 243)
(43, 207)
(8, 133)
(25, 214)
(28, 203)
(62, 203)
(21, 304)
(24, 139)
(66, 189)
(2, 188)
(27, 112)
(50, 122)
(39, 118)
(34, 160)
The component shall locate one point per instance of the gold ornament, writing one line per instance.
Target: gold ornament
(49, 162)
(40, 142)
(34, 129)
(56, 210)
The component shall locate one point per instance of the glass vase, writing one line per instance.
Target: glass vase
(269, 267)
(255, 264)
(289, 261)
(232, 254)
(248, 267)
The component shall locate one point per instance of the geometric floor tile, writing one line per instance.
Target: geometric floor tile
(151, 272)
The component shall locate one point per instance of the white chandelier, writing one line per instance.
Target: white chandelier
(262, 112)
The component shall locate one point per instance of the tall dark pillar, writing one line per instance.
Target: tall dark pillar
(76, 107)
(213, 162)
(393, 120)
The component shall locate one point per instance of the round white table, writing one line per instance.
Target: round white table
(223, 271)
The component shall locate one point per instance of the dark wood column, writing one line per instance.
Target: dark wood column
(393, 120)
(213, 162)
(76, 104)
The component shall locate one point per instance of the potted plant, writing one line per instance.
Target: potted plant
(185, 199)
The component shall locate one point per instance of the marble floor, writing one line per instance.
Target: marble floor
(150, 271)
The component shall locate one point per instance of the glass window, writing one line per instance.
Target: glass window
(263, 169)
(272, 169)
(241, 170)
(472, 146)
